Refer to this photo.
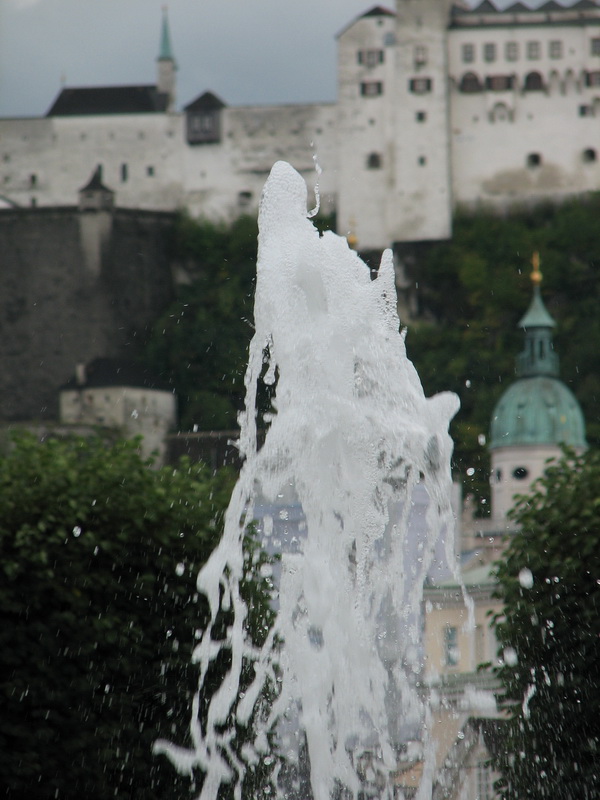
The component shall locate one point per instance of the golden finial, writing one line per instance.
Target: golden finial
(352, 238)
(536, 275)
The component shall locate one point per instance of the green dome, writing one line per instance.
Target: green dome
(535, 411)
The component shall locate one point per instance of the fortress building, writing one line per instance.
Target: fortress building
(439, 105)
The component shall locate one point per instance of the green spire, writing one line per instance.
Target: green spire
(538, 356)
(166, 52)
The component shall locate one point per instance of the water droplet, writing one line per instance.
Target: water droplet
(135, 413)
(526, 578)
(180, 568)
(76, 531)
(471, 471)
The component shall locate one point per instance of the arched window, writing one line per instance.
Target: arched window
(533, 82)
(470, 83)
(374, 161)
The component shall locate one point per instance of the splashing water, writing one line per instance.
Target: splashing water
(354, 438)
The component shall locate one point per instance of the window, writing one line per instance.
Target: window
(124, 173)
(595, 47)
(421, 116)
(374, 161)
(479, 644)
(592, 79)
(511, 51)
(533, 50)
(32, 180)
(520, 473)
(489, 52)
(555, 49)
(451, 646)
(389, 39)
(370, 58)
(468, 53)
(470, 83)
(420, 55)
(371, 88)
(499, 83)
(150, 172)
(589, 155)
(421, 161)
(586, 111)
(203, 124)
(533, 82)
(420, 85)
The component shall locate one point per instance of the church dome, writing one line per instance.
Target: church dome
(538, 410)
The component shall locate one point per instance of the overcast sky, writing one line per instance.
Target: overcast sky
(246, 51)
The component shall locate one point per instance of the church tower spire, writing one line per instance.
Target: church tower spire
(538, 356)
(167, 67)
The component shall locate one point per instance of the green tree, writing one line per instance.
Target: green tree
(200, 344)
(100, 614)
(549, 637)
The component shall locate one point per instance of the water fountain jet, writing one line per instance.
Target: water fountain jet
(354, 438)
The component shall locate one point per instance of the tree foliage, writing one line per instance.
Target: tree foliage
(98, 557)
(549, 635)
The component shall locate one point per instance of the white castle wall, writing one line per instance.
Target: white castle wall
(494, 132)
(396, 161)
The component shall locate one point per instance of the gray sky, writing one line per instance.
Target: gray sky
(247, 51)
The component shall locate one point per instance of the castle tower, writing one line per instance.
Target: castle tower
(421, 202)
(535, 415)
(167, 68)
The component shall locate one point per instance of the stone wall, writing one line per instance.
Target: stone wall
(75, 286)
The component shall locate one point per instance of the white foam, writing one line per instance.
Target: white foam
(354, 438)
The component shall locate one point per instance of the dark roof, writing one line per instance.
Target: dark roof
(95, 183)
(205, 102)
(108, 100)
(485, 8)
(112, 372)
(378, 11)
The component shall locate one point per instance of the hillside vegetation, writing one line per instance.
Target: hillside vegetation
(472, 292)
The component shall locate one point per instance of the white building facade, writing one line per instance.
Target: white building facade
(439, 105)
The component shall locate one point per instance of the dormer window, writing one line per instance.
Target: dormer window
(203, 119)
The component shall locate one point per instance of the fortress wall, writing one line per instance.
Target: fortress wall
(58, 307)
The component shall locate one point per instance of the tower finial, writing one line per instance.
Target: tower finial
(536, 275)
(166, 51)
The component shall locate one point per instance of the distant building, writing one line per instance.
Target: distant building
(122, 397)
(535, 415)
(439, 106)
